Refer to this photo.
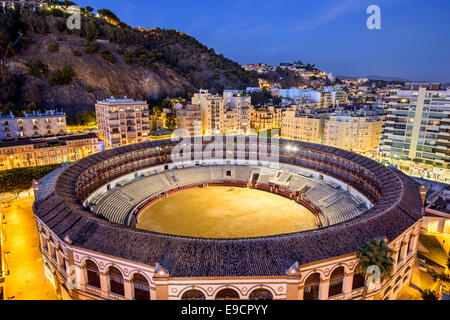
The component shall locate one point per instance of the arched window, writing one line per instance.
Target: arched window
(93, 275)
(141, 287)
(193, 295)
(358, 281)
(116, 281)
(260, 294)
(336, 282)
(227, 294)
(311, 290)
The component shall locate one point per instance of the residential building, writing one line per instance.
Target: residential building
(122, 121)
(240, 104)
(416, 136)
(303, 124)
(356, 128)
(227, 114)
(212, 111)
(189, 118)
(44, 151)
(332, 96)
(265, 118)
(48, 123)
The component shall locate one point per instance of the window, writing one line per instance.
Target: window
(116, 281)
(141, 287)
(311, 290)
(193, 295)
(93, 275)
(260, 294)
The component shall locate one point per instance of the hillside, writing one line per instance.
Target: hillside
(43, 64)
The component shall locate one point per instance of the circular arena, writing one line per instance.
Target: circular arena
(224, 218)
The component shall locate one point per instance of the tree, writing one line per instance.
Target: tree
(20, 179)
(53, 46)
(374, 252)
(429, 295)
(85, 118)
(89, 9)
(109, 16)
(35, 67)
(171, 122)
(63, 76)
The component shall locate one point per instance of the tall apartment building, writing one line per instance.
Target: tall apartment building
(229, 113)
(122, 121)
(212, 112)
(189, 118)
(39, 152)
(356, 128)
(48, 123)
(303, 124)
(240, 105)
(416, 136)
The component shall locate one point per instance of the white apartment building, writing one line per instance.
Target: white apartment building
(189, 118)
(355, 128)
(416, 135)
(240, 105)
(229, 113)
(122, 121)
(32, 125)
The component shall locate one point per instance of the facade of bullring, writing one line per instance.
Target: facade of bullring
(86, 256)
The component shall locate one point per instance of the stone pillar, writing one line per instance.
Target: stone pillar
(395, 256)
(292, 292)
(162, 290)
(104, 283)
(128, 289)
(414, 240)
(347, 285)
(323, 289)
(403, 250)
(80, 277)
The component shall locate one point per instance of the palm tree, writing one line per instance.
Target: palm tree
(428, 294)
(374, 252)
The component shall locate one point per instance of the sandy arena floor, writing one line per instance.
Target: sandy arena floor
(224, 212)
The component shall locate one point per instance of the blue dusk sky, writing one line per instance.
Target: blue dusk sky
(413, 43)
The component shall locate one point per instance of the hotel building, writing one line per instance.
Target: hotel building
(356, 128)
(39, 152)
(30, 125)
(122, 121)
(416, 136)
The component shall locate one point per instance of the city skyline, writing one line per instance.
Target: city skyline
(250, 32)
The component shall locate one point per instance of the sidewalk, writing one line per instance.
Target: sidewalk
(26, 279)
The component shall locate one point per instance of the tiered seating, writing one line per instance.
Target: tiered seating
(297, 183)
(335, 204)
(317, 193)
(243, 173)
